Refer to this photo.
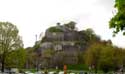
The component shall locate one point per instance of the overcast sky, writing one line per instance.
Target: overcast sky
(35, 16)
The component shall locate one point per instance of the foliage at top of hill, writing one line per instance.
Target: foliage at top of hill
(54, 29)
(62, 28)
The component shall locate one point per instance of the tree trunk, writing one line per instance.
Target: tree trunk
(3, 64)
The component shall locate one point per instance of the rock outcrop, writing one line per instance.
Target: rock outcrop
(66, 42)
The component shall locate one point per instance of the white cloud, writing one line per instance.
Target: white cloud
(35, 16)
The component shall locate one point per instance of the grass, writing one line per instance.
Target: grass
(76, 71)
(31, 70)
(77, 67)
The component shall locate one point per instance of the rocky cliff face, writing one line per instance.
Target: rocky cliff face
(61, 40)
(66, 42)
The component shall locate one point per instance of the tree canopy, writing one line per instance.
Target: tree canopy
(16, 58)
(103, 56)
(70, 25)
(118, 21)
(9, 40)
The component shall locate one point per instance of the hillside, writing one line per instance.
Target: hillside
(63, 44)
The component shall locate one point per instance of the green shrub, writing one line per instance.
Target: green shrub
(55, 29)
(77, 67)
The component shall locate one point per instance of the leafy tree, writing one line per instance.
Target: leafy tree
(91, 35)
(47, 55)
(111, 58)
(37, 45)
(9, 40)
(118, 21)
(123, 58)
(80, 57)
(103, 56)
(106, 58)
(31, 58)
(87, 37)
(70, 25)
(92, 55)
(16, 58)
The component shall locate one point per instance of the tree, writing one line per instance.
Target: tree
(92, 55)
(118, 21)
(16, 58)
(106, 61)
(70, 25)
(9, 40)
(47, 55)
(91, 35)
(32, 58)
(103, 56)
(123, 58)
